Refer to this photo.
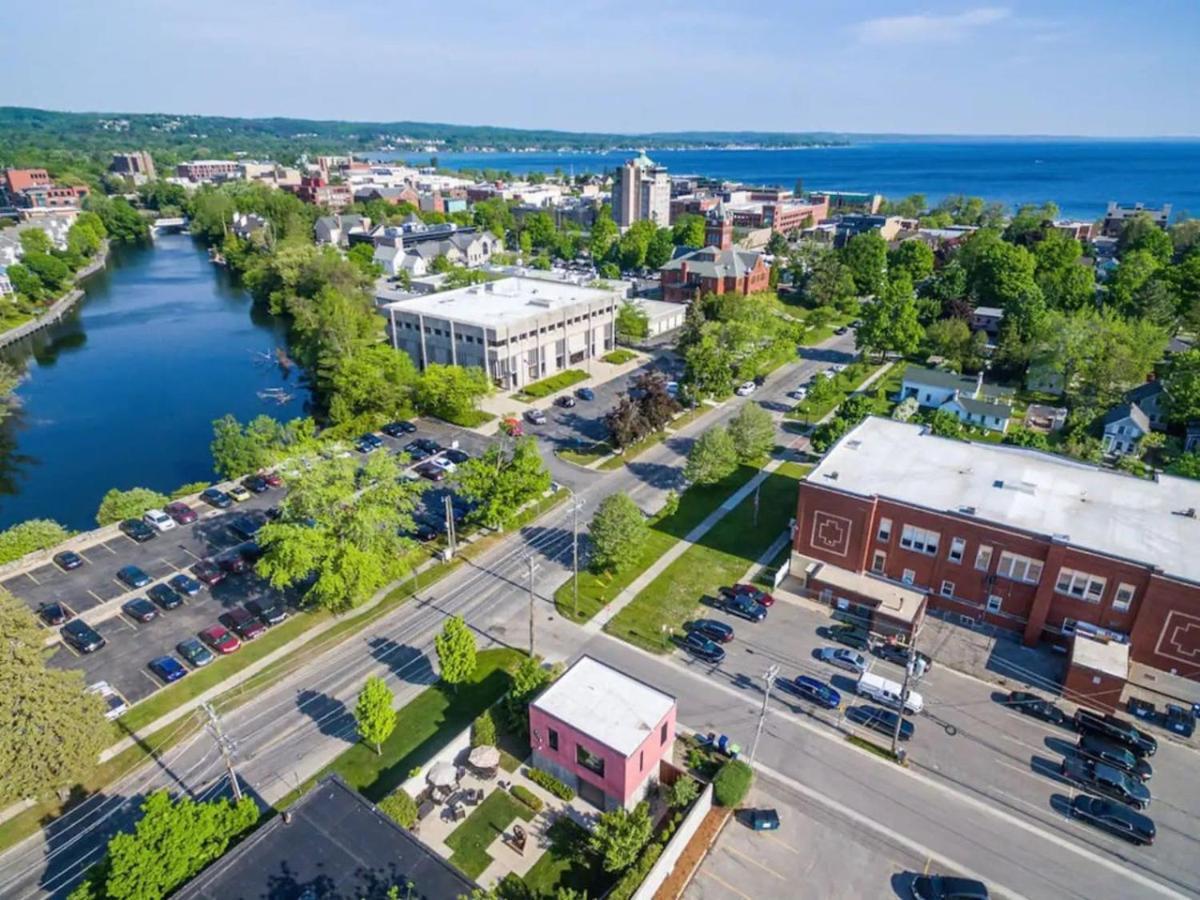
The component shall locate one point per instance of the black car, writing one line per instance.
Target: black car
(68, 560)
(415, 451)
(256, 484)
(899, 654)
(54, 614)
(248, 525)
(132, 576)
(395, 429)
(1114, 818)
(742, 605)
(456, 456)
(881, 720)
(429, 445)
(185, 585)
(946, 887)
(1033, 705)
(702, 648)
(140, 610)
(1093, 746)
(233, 563)
(431, 471)
(208, 572)
(1107, 780)
(421, 531)
(216, 497)
(566, 401)
(369, 443)
(1117, 730)
(164, 596)
(271, 613)
(137, 530)
(850, 635)
(82, 636)
(713, 630)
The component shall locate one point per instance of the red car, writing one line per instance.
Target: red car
(180, 512)
(512, 427)
(209, 572)
(762, 598)
(274, 479)
(220, 640)
(248, 627)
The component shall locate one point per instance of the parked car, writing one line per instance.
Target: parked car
(115, 704)
(54, 614)
(843, 659)
(1093, 746)
(168, 668)
(712, 629)
(369, 443)
(511, 426)
(585, 393)
(233, 563)
(216, 497)
(429, 445)
(271, 613)
(702, 648)
(137, 530)
(180, 512)
(82, 636)
(566, 401)
(247, 525)
(158, 520)
(811, 689)
(762, 598)
(165, 596)
(888, 693)
(1179, 720)
(1117, 730)
(220, 640)
(184, 584)
(946, 887)
(881, 720)
(841, 329)
(899, 654)
(68, 560)
(741, 605)
(244, 625)
(444, 464)
(238, 493)
(395, 429)
(274, 479)
(140, 610)
(764, 820)
(456, 456)
(421, 531)
(208, 572)
(1106, 780)
(132, 576)
(535, 417)
(415, 451)
(1035, 706)
(432, 471)
(1114, 818)
(850, 635)
(746, 388)
(799, 393)
(255, 484)
(194, 653)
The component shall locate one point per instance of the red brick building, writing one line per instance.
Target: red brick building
(18, 180)
(1020, 539)
(33, 189)
(714, 271)
(316, 190)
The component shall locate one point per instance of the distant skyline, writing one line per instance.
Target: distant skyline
(1104, 68)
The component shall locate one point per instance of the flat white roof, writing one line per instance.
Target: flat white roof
(605, 704)
(1081, 504)
(1110, 657)
(505, 302)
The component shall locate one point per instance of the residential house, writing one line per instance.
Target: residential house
(968, 397)
(603, 733)
(336, 230)
(246, 225)
(1152, 399)
(1117, 215)
(1124, 428)
(987, 319)
(390, 258)
(713, 271)
(1044, 377)
(392, 195)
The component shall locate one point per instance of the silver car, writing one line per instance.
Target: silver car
(843, 658)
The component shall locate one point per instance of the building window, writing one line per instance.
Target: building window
(919, 539)
(909, 576)
(662, 735)
(983, 557)
(885, 530)
(1124, 598)
(1019, 568)
(1080, 585)
(641, 760)
(958, 547)
(553, 735)
(947, 588)
(589, 760)
(993, 603)
(878, 561)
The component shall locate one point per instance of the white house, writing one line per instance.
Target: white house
(1124, 428)
(336, 230)
(972, 401)
(1151, 398)
(389, 258)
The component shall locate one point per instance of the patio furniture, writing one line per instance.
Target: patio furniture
(459, 813)
(442, 775)
(518, 839)
(484, 757)
(427, 806)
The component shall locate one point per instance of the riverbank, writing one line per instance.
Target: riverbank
(59, 307)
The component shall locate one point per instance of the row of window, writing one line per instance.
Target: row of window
(594, 763)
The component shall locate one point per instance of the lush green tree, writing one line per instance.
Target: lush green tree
(171, 842)
(777, 245)
(1156, 302)
(374, 381)
(617, 532)
(483, 730)
(681, 794)
(732, 783)
(540, 228)
(909, 207)
(828, 433)
(1030, 223)
(1187, 465)
(341, 525)
(374, 716)
(952, 340)
(494, 215)
(362, 256)
(632, 323)
(455, 645)
(186, 490)
(239, 450)
(51, 730)
(657, 406)
(122, 222)
(753, 432)
(865, 255)
(712, 457)
(26, 537)
(660, 248)
(949, 283)
(1141, 233)
(626, 423)
(829, 283)
(945, 424)
(1185, 282)
(1137, 267)
(634, 244)
(52, 272)
(35, 240)
(401, 809)
(86, 235)
(1182, 382)
(449, 392)
(688, 231)
(1023, 437)
(604, 234)
(709, 363)
(131, 504)
(528, 680)
(1002, 274)
(619, 836)
(26, 283)
(501, 481)
(609, 270)
(890, 323)
(914, 257)
(1185, 237)
(1066, 283)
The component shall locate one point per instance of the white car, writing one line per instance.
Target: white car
(799, 393)
(746, 388)
(114, 702)
(444, 464)
(158, 520)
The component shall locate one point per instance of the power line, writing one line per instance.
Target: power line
(225, 745)
(769, 678)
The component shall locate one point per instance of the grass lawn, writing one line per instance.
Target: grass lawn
(722, 556)
(551, 385)
(472, 418)
(845, 383)
(635, 450)
(567, 863)
(619, 356)
(486, 823)
(586, 455)
(597, 590)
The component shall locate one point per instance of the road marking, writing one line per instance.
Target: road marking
(79, 553)
(189, 552)
(99, 599)
(1023, 771)
(755, 862)
(108, 548)
(781, 843)
(71, 649)
(928, 863)
(725, 884)
(154, 681)
(29, 575)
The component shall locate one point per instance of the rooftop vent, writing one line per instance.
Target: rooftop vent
(854, 445)
(1190, 512)
(967, 510)
(832, 476)
(998, 484)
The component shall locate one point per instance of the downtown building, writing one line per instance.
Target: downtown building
(641, 190)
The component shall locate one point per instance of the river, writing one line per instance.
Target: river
(123, 391)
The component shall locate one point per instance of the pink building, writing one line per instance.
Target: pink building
(603, 733)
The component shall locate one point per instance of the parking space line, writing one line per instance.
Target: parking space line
(1023, 771)
(84, 558)
(189, 552)
(725, 884)
(108, 548)
(70, 649)
(755, 862)
(99, 599)
(151, 679)
(29, 575)
(781, 843)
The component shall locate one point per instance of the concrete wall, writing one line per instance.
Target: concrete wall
(675, 847)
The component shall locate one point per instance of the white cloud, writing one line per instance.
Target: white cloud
(925, 28)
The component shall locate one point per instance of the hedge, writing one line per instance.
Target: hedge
(732, 783)
(483, 731)
(528, 797)
(636, 874)
(550, 783)
(399, 807)
(554, 383)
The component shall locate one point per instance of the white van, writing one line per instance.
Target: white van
(887, 692)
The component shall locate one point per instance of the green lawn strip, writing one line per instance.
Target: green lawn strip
(472, 418)
(846, 382)
(635, 450)
(619, 356)
(586, 455)
(567, 863)
(596, 590)
(486, 823)
(722, 556)
(551, 385)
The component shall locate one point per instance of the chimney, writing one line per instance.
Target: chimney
(683, 270)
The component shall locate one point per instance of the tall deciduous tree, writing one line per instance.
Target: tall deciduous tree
(688, 231)
(617, 531)
(604, 233)
(632, 323)
(373, 713)
(619, 836)
(659, 248)
(373, 381)
(455, 646)
(914, 257)
(131, 504)
(1183, 386)
(451, 391)
(890, 323)
(712, 457)
(866, 256)
(1141, 232)
(753, 432)
(501, 481)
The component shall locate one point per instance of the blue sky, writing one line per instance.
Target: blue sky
(1104, 67)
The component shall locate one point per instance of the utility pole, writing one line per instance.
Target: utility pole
(225, 745)
(769, 678)
(756, 491)
(908, 673)
(532, 569)
(576, 503)
(451, 534)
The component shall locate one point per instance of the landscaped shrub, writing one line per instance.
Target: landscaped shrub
(25, 537)
(633, 878)
(528, 797)
(555, 383)
(400, 808)
(732, 783)
(550, 783)
(483, 731)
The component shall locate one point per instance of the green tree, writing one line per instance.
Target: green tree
(604, 234)
(732, 783)
(450, 392)
(688, 231)
(890, 323)
(949, 283)
(26, 537)
(400, 808)
(483, 730)
(632, 322)
(952, 339)
(619, 836)
(634, 244)
(494, 215)
(1185, 237)
(501, 481)
(35, 240)
(527, 682)
(340, 526)
(441, 264)
(362, 256)
(865, 255)
(944, 423)
(1182, 383)
(373, 381)
(540, 228)
(1141, 233)
(1137, 267)
(121, 221)
(235, 451)
(1066, 283)
(1186, 465)
(51, 730)
(374, 716)
(914, 257)
(910, 207)
(455, 646)
(660, 248)
(52, 272)
(753, 432)
(618, 531)
(777, 245)
(830, 284)
(25, 283)
(712, 457)
(131, 504)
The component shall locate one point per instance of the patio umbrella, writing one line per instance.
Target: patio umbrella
(442, 775)
(484, 757)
